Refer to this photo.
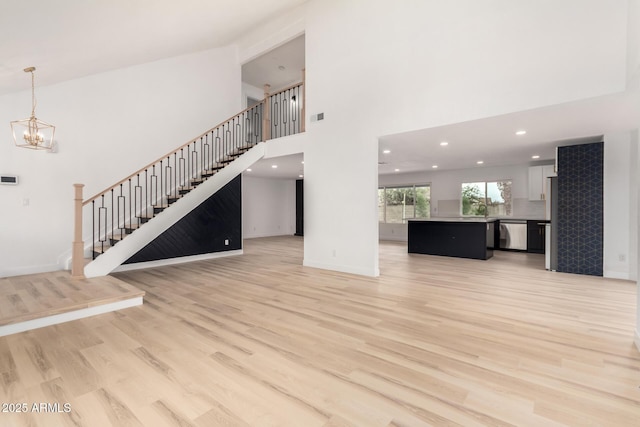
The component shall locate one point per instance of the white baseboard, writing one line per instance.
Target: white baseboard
(28, 325)
(173, 261)
(611, 274)
(342, 268)
(34, 269)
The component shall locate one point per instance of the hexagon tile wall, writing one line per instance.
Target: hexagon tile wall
(580, 209)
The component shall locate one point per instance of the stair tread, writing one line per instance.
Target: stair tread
(101, 247)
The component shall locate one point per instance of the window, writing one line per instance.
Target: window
(486, 198)
(396, 204)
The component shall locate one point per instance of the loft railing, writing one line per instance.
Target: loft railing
(127, 205)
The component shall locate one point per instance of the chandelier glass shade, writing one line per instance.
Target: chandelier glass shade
(33, 133)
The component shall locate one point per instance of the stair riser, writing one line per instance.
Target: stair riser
(128, 229)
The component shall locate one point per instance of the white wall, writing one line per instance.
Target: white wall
(619, 225)
(445, 192)
(635, 216)
(108, 126)
(462, 60)
(249, 91)
(268, 207)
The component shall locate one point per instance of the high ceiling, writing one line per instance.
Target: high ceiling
(67, 39)
(280, 67)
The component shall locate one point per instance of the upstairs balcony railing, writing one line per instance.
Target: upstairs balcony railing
(128, 204)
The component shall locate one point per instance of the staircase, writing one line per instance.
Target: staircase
(131, 213)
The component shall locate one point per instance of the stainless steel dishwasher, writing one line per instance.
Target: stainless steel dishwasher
(513, 234)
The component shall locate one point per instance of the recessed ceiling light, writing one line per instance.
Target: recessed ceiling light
(302, 162)
(479, 162)
(435, 166)
(444, 143)
(386, 151)
(249, 170)
(521, 132)
(274, 166)
(300, 176)
(397, 170)
(535, 157)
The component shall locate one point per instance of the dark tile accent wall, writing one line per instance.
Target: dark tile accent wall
(580, 209)
(203, 230)
(299, 207)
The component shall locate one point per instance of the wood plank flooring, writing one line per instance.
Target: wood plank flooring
(259, 340)
(33, 296)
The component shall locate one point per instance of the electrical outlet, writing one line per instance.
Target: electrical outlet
(226, 242)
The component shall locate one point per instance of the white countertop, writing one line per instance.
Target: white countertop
(455, 219)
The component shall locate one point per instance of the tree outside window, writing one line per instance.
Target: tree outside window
(397, 204)
(486, 198)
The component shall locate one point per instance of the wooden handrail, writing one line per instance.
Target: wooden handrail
(168, 154)
(86, 202)
(287, 88)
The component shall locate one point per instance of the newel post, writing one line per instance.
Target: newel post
(77, 254)
(304, 100)
(266, 115)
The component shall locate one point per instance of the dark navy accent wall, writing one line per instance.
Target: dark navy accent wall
(203, 230)
(580, 224)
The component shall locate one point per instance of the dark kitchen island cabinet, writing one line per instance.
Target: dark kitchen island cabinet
(455, 237)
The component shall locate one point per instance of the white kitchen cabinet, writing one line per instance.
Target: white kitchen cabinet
(538, 181)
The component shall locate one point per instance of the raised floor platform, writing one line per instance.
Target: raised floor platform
(38, 300)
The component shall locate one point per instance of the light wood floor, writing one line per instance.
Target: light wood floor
(259, 340)
(34, 296)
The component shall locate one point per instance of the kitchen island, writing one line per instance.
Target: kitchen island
(455, 237)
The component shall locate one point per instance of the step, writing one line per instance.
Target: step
(159, 208)
(130, 228)
(100, 248)
(186, 189)
(172, 199)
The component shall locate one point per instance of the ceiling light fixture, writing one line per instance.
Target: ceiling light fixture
(479, 162)
(397, 170)
(386, 151)
(535, 157)
(274, 166)
(444, 143)
(249, 170)
(435, 166)
(300, 176)
(521, 132)
(33, 133)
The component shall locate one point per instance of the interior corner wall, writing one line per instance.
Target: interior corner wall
(634, 205)
(633, 45)
(619, 226)
(108, 125)
(635, 139)
(268, 207)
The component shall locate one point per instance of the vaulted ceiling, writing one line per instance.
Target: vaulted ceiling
(67, 39)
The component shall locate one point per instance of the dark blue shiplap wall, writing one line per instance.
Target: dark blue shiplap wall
(580, 209)
(203, 230)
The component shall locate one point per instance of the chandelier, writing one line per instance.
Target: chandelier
(33, 133)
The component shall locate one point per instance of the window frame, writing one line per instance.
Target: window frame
(399, 186)
(486, 185)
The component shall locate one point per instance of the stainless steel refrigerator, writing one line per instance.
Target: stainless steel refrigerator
(551, 229)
